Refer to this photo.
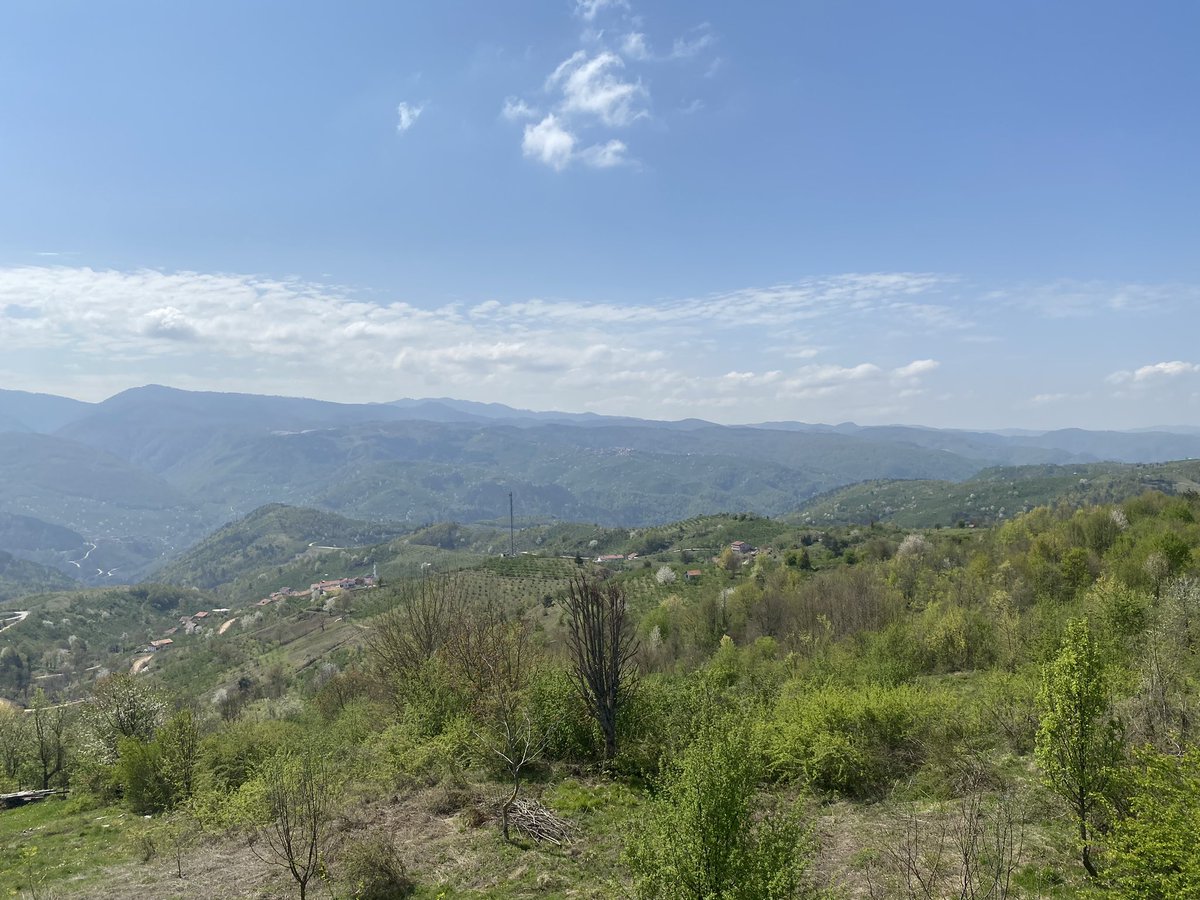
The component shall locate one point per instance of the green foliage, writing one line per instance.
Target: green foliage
(1153, 853)
(231, 755)
(954, 638)
(702, 839)
(996, 495)
(159, 774)
(140, 773)
(560, 716)
(1078, 743)
(855, 740)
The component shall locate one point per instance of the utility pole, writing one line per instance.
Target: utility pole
(512, 539)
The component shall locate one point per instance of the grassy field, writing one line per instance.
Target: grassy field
(61, 845)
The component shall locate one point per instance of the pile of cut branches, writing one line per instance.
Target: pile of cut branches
(538, 822)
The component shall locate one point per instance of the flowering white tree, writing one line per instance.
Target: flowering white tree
(913, 545)
(665, 575)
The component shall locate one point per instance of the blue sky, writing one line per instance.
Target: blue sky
(969, 214)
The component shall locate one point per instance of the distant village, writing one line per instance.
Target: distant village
(202, 620)
(199, 622)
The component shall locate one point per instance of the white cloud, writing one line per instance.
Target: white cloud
(693, 42)
(516, 109)
(548, 142)
(1154, 372)
(605, 156)
(589, 9)
(592, 86)
(88, 331)
(599, 87)
(408, 114)
(1165, 370)
(168, 322)
(815, 349)
(916, 368)
(634, 46)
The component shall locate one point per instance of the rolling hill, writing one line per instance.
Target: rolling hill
(137, 480)
(994, 494)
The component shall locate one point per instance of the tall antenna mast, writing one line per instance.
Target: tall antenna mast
(512, 540)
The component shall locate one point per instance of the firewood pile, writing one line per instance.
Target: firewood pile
(538, 822)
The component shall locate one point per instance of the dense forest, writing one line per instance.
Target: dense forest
(783, 711)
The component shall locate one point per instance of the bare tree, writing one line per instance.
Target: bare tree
(300, 788)
(602, 646)
(414, 631)
(492, 654)
(969, 851)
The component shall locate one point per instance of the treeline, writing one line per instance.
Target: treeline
(1005, 712)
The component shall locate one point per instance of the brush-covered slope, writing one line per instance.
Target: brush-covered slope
(995, 493)
(270, 536)
(19, 577)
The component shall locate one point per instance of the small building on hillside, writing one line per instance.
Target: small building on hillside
(692, 574)
(161, 644)
(741, 547)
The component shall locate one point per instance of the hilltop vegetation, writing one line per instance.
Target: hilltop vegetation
(994, 494)
(270, 536)
(852, 702)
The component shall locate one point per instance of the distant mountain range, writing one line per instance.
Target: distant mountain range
(109, 491)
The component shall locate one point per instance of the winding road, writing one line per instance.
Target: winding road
(17, 617)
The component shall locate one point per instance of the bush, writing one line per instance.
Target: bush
(1155, 850)
(703, 838)
(853, 740)
(372, 869)
(560, 716)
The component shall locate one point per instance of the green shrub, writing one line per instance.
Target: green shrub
(140, 772)
(412, 754)
(1154, 852)
(855, 740)
(703, 838)
(560, 717)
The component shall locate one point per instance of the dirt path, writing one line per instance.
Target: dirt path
(225, 625)
(140, 663)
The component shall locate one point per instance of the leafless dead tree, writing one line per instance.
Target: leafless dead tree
(969, 851)
(414, 631)
(491, 652)
(602, 647)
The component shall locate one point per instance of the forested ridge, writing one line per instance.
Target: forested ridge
(730, 707)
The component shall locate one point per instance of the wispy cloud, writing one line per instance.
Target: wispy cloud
(516, 109)
(588, 10)
(595, 86)
(407, 114)
(1154, 372)
(599, 90)
(108, 329)
(692, 43)
(1067, 299)
(605, 156)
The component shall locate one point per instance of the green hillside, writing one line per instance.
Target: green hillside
(994, 494)
(271, 536)
(866, 678)
(19, 577)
